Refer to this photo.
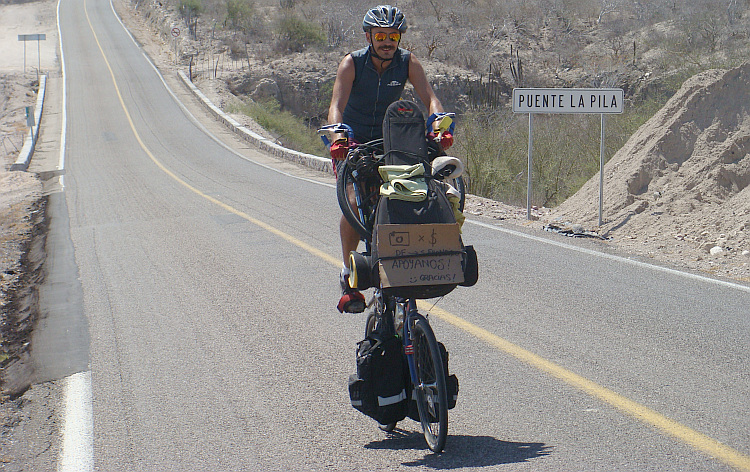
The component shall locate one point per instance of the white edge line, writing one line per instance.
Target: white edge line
(621, 259)
(77, 451)
(64, 128)
(77, 433)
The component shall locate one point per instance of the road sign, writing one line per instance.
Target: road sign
(175, 32)
(32, 37)
(572, 100)
(30, 117)
(601, 101)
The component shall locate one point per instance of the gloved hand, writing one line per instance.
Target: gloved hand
(339, 148)
(445, 141)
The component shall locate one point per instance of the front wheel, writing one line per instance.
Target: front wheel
(430, 392)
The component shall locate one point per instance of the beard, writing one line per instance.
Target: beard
(387, 51)
(384, 52)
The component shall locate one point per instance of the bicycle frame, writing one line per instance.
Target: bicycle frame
(431, 399)
(410, 310)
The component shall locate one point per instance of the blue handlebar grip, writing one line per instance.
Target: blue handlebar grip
(431, 119)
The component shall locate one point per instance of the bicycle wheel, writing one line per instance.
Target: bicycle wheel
(351, 214)
(359, 172)
(460, 185)
(431, 394)
(372, 320)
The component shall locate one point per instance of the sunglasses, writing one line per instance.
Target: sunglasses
(380, 36)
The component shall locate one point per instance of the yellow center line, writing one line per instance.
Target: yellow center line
(213, 200)
(697, 440)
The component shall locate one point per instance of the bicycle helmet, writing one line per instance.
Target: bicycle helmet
(384, 16)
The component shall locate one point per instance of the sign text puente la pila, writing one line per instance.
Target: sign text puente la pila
(541, 100)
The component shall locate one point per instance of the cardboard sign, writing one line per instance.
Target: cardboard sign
(419, 254)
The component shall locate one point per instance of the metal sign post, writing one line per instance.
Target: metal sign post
(528, 181)
(175, 35)
(37, 38)
(561, 100)
(601, 173)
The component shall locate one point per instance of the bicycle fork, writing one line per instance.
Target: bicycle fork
(410, 309)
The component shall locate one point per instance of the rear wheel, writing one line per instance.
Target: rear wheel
(372, 322)
(430, 392)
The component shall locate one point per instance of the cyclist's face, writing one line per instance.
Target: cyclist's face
(387, 46)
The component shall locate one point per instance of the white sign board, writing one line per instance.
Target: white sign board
(567, 100)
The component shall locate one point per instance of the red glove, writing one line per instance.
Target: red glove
(445, 141)
(339, 148)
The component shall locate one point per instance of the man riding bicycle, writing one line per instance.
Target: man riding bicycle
(367, 82)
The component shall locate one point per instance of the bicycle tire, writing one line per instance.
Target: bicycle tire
(431, 393)
(372, 322)
(344, 179)
(460, 185)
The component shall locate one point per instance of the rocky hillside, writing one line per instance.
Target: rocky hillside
(475, 52)
(682, 180)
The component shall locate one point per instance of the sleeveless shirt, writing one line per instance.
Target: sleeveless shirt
(372, 93)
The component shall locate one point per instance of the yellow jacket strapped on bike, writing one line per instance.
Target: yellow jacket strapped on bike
(403, 182)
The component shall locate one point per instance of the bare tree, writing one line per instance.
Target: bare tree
(607, 7)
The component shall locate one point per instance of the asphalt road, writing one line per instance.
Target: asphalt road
(204, 285)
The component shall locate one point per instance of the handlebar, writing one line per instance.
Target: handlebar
(335, 128)
(444, 120)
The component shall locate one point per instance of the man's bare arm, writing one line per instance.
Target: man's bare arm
(342, 88)
(422, 87)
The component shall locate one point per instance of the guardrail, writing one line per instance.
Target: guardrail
(262, 143)
(24, 157)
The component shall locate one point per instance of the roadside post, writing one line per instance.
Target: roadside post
(566, 101)
(30, 120)
(175, 35)
(37, 38)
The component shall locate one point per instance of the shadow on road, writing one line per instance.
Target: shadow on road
(463, 451)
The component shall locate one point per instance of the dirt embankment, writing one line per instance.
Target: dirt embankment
(22, 203)
(23, 230)
(678, 191)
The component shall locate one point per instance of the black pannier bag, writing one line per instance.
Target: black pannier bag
(379, 388)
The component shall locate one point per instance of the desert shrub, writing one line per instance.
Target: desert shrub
(296, 35)
(565, 154)
(190, 11)
(241, 15)
(190, 8)
(290, 130)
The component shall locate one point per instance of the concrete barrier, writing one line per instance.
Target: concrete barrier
(27, 151)
(264, 144)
